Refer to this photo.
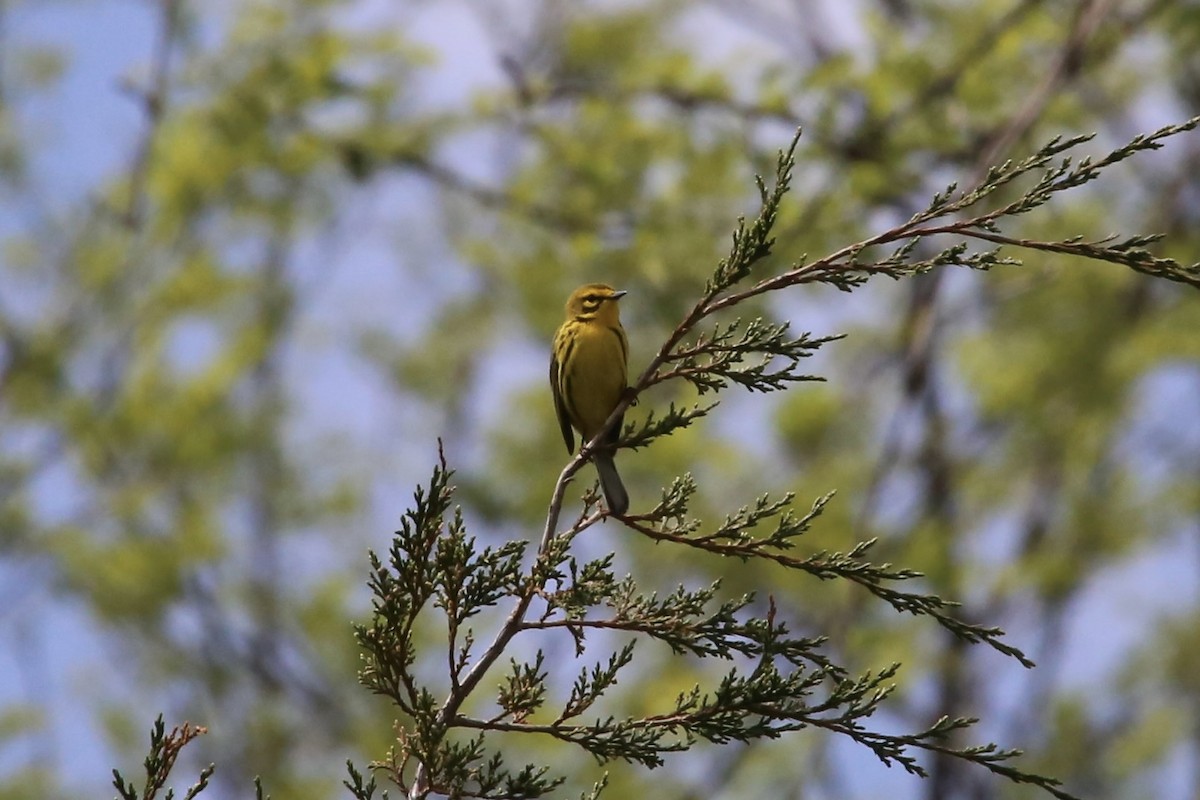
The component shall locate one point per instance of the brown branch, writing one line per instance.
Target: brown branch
(154, 102)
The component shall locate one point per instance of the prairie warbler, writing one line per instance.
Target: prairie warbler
(588, 378)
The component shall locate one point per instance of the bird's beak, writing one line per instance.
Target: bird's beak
(617, 295)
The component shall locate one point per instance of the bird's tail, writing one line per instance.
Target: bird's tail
(610, 482)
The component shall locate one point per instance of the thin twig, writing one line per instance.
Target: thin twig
(154, 102)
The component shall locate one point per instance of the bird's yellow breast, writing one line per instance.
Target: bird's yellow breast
(596, 376)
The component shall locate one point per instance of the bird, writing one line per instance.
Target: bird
(588, 377)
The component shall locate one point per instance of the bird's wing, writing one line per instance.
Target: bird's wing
(560, 408)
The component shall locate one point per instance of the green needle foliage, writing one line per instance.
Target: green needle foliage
(776, 681)
(773, 681)
(164, 750)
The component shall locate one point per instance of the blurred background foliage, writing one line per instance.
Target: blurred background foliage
(258, 259)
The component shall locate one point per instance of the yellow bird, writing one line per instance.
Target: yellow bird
(588, 377)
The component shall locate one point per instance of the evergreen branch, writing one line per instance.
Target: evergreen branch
(889, 749)
(703, 633)
(588, 586)
(634, 740)
(459, 769)
(733, 539)
(712, 362)
(433, 563)
(362, 789)
(683, 620)
(767, 704)
(763, 704)
(164, 750)
(653, 427)
(466, 582)
(846, 268)
(738, 527)
(944, 203)
(588, 687)
(525, 690)
(403, 587)
(597, 787)
(556, 552)
(1129, 252)
(753, 243)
